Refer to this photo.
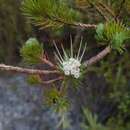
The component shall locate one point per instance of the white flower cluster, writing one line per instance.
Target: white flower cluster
(69, 63)
(72, 67)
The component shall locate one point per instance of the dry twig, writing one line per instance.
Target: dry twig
(98, 57)
(27, 71)
(52, 81)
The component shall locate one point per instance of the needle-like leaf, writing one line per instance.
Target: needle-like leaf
(65, 54)
(58, 51)
(83, 52)
(81, 41)
(71, 43)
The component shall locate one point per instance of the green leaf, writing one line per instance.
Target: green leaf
(113, 33)
(99, 32)
(33, 79)
(92, 121)
(49, 13)
(118, 41)
(32, 51)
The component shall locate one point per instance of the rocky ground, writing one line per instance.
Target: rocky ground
(21, 106)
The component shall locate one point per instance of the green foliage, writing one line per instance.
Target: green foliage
(115, 124)
(57, 13)
(124, 105)
(113, 33)
(49, 13)
(100, 32)
(32, 51)
(52, 96)
(33, 79)
(57, 100)
(119, 91)
(92, 122)
(116, 74)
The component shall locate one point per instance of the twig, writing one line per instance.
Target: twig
(85, 25)
(73, 24)
(101, 13)
(44, 60)
(87, 63)
(25, 70)
(99, 10)
(107, 9)
(98, 57)
(120, 9)
(51, 81)
(82, 25)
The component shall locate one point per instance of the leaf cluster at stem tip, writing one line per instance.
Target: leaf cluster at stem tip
(32, 51)
(113, 33)
(49, 13)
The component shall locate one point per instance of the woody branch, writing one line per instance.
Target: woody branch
(98, 57)
(26, 70)
(87, 63)
(52, 80)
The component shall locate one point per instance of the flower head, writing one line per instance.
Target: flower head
(69, 64)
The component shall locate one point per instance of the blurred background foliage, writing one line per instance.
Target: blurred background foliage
(106, 88)
(13, 30)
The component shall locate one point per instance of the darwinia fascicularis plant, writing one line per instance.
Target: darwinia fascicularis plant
(68, 67)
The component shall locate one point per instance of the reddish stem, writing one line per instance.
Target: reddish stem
(52, 81)
(98, 57)
(27, 71)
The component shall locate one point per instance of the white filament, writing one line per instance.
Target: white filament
(70, 65)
